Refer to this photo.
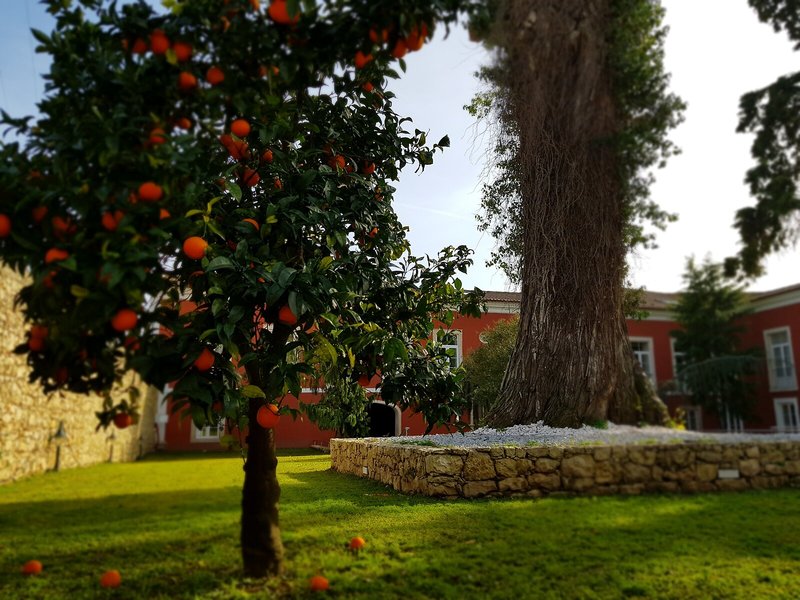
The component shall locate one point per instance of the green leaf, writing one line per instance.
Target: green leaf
(78, 291)
(220, 263)
(253, 391)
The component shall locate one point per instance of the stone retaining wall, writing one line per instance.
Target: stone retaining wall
(28, 418)
(594, 470)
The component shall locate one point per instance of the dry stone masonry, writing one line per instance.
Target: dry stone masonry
(592, 470)
(29, 419)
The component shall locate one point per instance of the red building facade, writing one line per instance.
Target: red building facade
(773, 326)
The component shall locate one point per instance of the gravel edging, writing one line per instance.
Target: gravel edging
(539, 434)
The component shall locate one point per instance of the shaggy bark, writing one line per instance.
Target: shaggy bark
(572, 363)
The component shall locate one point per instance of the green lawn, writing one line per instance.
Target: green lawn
(169, 525)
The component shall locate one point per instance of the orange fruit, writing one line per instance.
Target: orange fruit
(253, 222)
(318, 583)
(5, 226)
(157, 136)
(286, 316)
(55, 255)
(267, 416)
(38, 213)
(277, 183)
(109, 222)
(62, 226)
(195, 247)
(39, 331)
(250, 177)
(337, 162)
(357, 543)
(139, 46)
(238, 149)
(124, 319)
(367, 87)
(377, 37)
(373, 232)
(205, 361)
(215, 75)
(150, 191)
(182, 50)
(267, 157)
(279, 12)
(416, 37)
(123, 420)
(159, 43)
(164, 214)
(186, 81)
(35, 344)
(47, 280)
(110, 579)
(363, 380)
(362, 60)
(32, 567)
(369, 168)
(400, 48)
(132, 343)
(240, 128)
(183, 122)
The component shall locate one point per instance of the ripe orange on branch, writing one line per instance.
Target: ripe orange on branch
(159, 43)
(362, 60)
(55, 255)
(205, 361)
(150, 191)
(278, 11)
(182, 50)
(187, 81)
(124, 320)
(123, 420)
(240, 128)
(5, 226)
(215, 75)
(286, 316)
(268, 416)
(195, 247)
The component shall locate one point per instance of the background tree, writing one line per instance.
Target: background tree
(715, 371)
(773, 115)
(205, 199)
(486, 365)
(579, 98)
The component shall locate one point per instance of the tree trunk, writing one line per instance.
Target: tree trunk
(262, 548)
(572, 363)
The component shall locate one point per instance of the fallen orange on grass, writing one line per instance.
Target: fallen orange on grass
(110, 579)
(318, 583)
(357, 543)
(32, 567)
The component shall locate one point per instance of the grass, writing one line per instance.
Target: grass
(169, 524)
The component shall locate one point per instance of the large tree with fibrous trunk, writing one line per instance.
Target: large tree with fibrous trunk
(236, 160)
(578, 95)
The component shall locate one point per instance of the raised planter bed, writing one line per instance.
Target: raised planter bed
(470, 472)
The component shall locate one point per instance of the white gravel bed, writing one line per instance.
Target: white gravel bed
(539, 434)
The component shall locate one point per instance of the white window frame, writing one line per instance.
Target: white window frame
(697, 411)
(652, 354)
(457, 346)
(778, 403)
(790, 384)
(204, 435)
(679, 388)
(730, 423)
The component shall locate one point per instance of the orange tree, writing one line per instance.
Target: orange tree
(238, 157)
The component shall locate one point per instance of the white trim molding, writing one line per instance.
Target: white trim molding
(788, 382)
(652, 355)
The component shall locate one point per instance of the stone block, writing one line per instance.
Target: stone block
(706, 471)
(582, 465)
(475, 489)
(513, 484)
(605, 473)
(506, 467)
(642, 456)
(709, 456)
(579, 484)
(546, 465)
(443, 464)
(634, 473)
(732, 484)
(631, 489)
(478, 466)
(546, 481)
(602, 453)
(749, 467)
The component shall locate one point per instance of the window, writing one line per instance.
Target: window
(678, 363)
(730, 422)
(786, 414)
(210, 433)
(643, 351)
(451, 342)
(780, 359)
(694, 418)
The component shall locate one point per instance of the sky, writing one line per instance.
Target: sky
(716, 50)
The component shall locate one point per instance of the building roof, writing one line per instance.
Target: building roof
(652, 300)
